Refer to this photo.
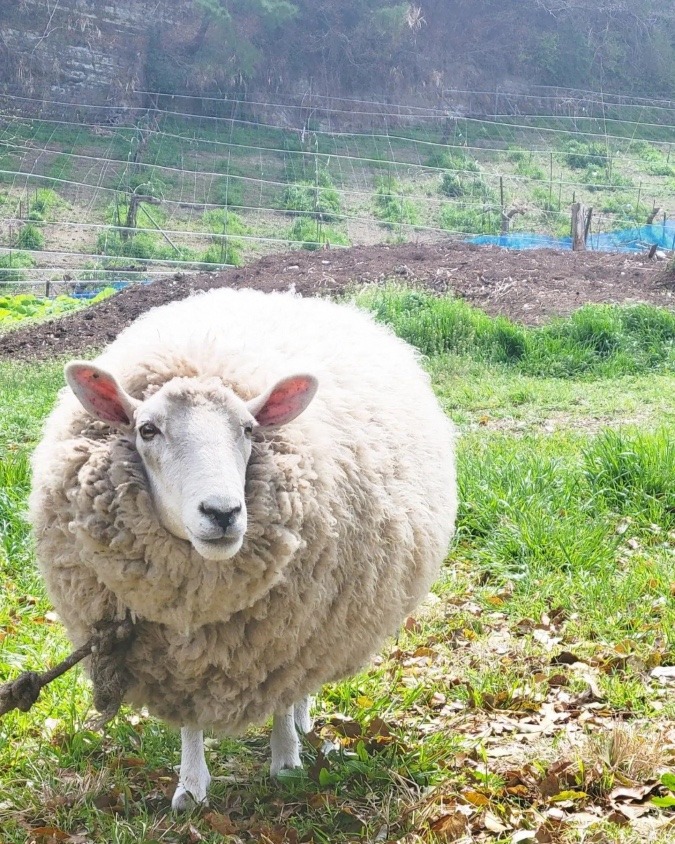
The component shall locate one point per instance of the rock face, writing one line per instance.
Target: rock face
(79, 51)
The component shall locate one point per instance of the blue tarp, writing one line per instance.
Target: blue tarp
(91, 292)
(638, 239)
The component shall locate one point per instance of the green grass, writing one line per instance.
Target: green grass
(597, 340)
(565, 543)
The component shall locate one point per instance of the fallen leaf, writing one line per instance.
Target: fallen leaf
(48, 835)
(493, 823)
(220, 823)
(476, 798)
(449, 827)
(566, 658)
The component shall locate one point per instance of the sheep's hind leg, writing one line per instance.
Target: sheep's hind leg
(303, 720)
(285, 743)
(194, 777)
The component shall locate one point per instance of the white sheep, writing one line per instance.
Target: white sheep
(265, 540)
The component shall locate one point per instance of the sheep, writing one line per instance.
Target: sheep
(266, 483)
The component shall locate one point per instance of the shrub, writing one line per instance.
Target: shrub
(453, 160)
(583, 154)
(141, 245)
(391, 207)
(321, 199)
(313, 234)
(224, 221)
(223, 252)
(44, 200)
(30, 237)
(451, 185)
(470, 219)
(12, 265)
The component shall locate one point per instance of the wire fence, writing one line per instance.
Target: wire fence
(92, 193)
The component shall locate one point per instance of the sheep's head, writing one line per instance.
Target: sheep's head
(194, 438)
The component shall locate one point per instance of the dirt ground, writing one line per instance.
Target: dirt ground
(528, 286)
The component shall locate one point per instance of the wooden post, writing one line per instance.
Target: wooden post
(587, 224)
(581, 224)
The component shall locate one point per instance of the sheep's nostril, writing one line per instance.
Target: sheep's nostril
(223, 518)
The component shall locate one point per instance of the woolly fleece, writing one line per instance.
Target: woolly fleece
(351, 508)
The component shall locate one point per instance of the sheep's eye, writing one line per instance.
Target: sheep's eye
(248, 429)
(148, 430)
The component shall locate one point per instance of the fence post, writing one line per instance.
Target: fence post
(581, 224)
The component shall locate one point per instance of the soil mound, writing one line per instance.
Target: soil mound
(528, 287)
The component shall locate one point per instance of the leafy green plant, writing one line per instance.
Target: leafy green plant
(30, 237)
(453, 159)
(585, 154)
(26, 306)
(392, 208)
(13, 264)
(451, 185)
(318, 198)
(469, 219)
(312, 234)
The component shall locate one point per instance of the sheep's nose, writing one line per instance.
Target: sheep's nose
(223, 518)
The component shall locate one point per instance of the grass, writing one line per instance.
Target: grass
(600, 340)
(565, 545)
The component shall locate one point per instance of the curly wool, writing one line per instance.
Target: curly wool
(350, 510)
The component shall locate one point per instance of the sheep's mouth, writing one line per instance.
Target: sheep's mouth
(218, 548)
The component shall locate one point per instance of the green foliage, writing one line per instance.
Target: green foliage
(43, 203)
(453, 159)
(12, 265)
(451, 185)
(469, 219)
(224, 221)
(25, 306)
(30, 237)
(319, 198)
(392, 208)
(312, 234)
(595, 340)
(142, 245)
(545, 198)
(223, 252)
(604, 179)
(389, 21)
(525, 164)
(633, 473)
(586, 154)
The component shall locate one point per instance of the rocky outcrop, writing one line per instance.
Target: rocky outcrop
(79, 51)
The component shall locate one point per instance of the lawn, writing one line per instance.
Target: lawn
(530, 699)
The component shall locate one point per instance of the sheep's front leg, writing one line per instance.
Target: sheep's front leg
(194, 777)
(285, 743)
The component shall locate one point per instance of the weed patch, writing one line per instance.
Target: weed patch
(596, 340)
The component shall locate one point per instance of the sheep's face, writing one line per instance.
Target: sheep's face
(194, 437)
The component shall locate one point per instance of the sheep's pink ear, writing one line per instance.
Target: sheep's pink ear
(100, 394)
(284, 401)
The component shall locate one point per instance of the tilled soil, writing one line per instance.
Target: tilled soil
(528, 286)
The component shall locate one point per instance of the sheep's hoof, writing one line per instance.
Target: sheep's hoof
(285, 763)
(189, 795)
